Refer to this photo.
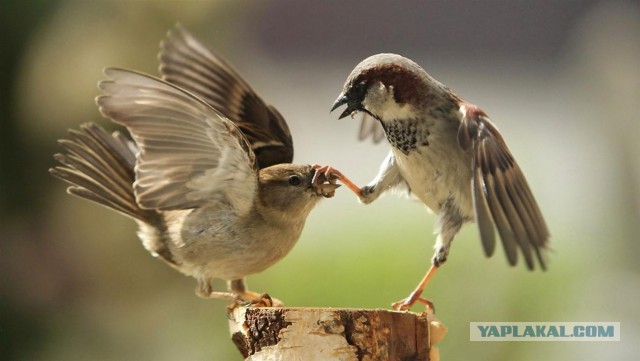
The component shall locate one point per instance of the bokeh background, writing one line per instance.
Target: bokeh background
(560, 78)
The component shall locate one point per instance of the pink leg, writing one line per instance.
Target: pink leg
(405, 304)
(330, 172)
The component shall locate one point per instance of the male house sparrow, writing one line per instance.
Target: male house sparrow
(449, 155)
(213, 197)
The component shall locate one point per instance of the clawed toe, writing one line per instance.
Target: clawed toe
(255, 300)
(405, 304)
(402, 305)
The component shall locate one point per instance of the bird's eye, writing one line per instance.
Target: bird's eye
(295, 180)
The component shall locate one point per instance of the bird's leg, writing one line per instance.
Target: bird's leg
(414, 297)
(331, 174)
(449, 222)
(205, 290)
(238, 295)
(439, 258)
(388, 176)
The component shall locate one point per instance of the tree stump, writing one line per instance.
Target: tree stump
(310, 334)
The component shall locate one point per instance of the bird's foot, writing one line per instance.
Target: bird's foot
(251, 299)
(367, 194)
(331, 174)
(405, 304)
(324, 181)
(239, 297)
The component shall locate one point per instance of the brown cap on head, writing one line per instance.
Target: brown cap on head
(410, 83)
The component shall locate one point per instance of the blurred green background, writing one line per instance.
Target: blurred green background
(560, 78)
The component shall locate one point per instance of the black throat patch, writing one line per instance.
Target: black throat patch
(406, 134)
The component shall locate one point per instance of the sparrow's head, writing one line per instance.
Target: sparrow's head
(288, 189)
(387, 86)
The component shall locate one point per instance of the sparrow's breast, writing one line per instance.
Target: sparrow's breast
(435, 167)
(215, 242)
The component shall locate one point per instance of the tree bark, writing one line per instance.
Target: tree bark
(310, 334)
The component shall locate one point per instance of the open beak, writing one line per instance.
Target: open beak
(342, 100)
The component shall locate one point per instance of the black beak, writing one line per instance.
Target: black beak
(342, 100)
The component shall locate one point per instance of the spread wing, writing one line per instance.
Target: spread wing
(501, 195)
(185, 62)
(370, 128)
(190, 155)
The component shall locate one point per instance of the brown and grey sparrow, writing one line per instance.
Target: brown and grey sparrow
(448, 154)
(208, 176)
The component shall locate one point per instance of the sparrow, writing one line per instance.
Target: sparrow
(209, 181)
(447, 153)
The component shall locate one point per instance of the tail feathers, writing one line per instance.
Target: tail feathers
(100, 167)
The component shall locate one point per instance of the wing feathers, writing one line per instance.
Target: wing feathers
(501, 196)
(100, 168)
(181, 139)
(185, 62)
(483, 215)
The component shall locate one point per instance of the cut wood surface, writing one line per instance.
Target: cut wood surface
(309, 334)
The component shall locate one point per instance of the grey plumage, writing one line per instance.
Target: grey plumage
(451, 157)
